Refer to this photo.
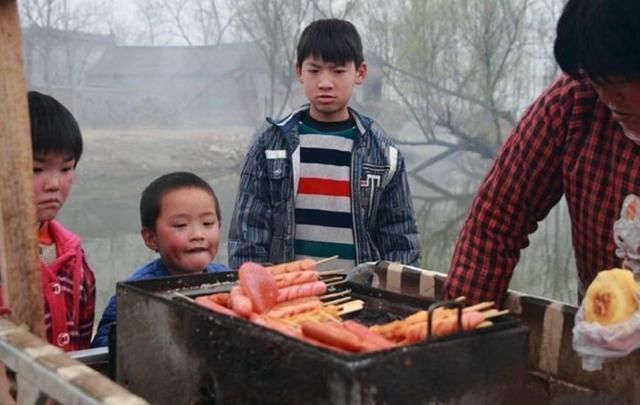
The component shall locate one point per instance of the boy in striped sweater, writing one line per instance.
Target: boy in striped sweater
(325, 180)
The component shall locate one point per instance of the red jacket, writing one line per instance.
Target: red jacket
(69, 292)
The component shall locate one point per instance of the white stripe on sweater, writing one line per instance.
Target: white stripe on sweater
(320, 202)
(321, 171)
(318, 233)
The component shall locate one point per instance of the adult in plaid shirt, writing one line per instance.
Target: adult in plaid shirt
(580, 139)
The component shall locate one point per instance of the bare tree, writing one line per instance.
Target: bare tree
(275, 25)
(62, 41)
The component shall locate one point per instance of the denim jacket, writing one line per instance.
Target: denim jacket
(263, 225)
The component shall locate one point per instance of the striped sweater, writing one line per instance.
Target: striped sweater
(324, 223)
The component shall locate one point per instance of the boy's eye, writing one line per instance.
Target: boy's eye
(67, 169)
(37, 170)
(179, 225)
(209, 223)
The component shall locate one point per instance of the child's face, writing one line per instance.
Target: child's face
(329, 87)
(187, 231)
(53, 175)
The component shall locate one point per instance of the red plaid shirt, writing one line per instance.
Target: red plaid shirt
(566, 143)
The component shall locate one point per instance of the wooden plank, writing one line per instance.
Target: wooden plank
(43, 368)
(21, 280)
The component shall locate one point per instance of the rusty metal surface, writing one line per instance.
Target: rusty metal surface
(174, 352)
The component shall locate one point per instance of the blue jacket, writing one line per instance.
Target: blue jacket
(153, 269)
(263, 225)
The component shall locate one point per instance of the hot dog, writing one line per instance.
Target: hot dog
(290, 308)
(297, 277)
(301, 290)
(371, 340)
(289, 267)
(259, 285)
(207, 303)
(220, 298)
(443, 327)
(333, 334)
(240, 303)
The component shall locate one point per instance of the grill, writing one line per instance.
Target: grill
(172, 351)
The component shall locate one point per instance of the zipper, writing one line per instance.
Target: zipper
(353, 194)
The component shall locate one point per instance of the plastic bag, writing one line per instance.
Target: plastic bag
(626, 231)
(597, 343)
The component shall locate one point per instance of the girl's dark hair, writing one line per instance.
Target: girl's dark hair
(599, 38)
(331, 40)
(53, 128)
(152, 195)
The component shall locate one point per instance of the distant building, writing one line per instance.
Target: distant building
(177, 86)
(56, 61)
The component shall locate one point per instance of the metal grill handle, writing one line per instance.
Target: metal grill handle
(457, 303)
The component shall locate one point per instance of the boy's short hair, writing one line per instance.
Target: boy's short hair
(152, 195)
(331, 40)
(600, 38)
(53, 127)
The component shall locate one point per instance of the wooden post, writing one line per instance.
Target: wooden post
(20, 270)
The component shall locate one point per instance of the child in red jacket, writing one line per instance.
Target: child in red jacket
(68, 281)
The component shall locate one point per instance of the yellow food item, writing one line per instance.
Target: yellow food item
(610, 298)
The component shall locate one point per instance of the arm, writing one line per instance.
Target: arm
(250, 228)
(524, 183)
(87, 305)
(396, 235)
(108, 319)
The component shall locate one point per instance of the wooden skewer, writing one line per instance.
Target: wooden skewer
(184, 297)
(479, 307)
(331, 272)
(337, 301)
(484, 324)
(351, 306)
(342, 281)
(330, 280)
(336, 294)
(326, 260)
(493, 313)
(460, 299)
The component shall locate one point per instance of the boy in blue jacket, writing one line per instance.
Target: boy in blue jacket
(180, 217)
(325, 180)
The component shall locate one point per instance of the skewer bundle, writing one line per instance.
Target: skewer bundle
(292, 298)
(413, 328)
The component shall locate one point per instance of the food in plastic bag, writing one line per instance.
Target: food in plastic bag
(610, 298)
(607, 324)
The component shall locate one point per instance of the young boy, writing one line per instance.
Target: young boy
(69, 290)
(180, 217)
(325, 180)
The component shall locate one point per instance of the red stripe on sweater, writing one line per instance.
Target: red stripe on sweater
(336, 188)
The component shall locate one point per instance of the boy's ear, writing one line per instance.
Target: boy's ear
(149, 238)
(361, 73)
(298, 70)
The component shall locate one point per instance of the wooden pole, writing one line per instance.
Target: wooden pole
(19, 267)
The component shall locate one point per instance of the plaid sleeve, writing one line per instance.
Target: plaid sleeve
(250, 229)
(524, 183)
(87, 308)
(396, 234)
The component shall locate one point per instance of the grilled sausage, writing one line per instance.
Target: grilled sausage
(207, 303)
(296, 277)
(372, 340)
(298, 306)
(259, 285)
(333, 334)
(240, 303)
(301, 290)
(289, 267)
